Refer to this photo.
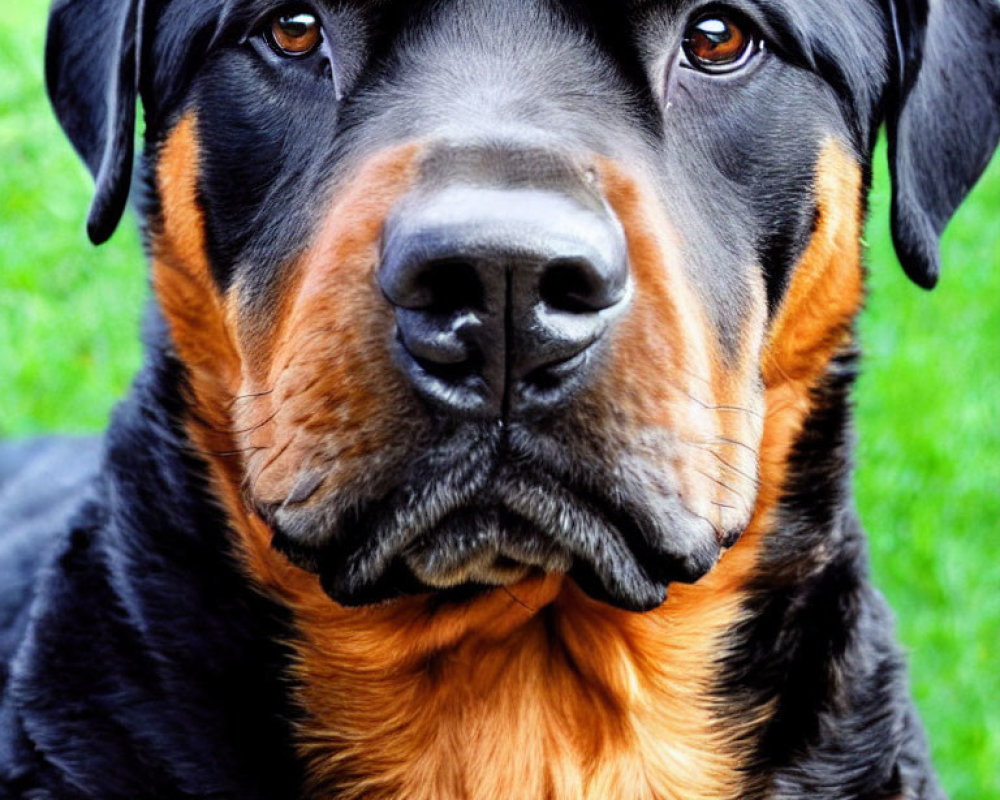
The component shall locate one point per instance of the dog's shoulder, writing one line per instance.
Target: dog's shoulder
(134, 661)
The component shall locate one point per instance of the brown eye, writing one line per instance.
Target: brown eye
(294, 33)
(716, 44)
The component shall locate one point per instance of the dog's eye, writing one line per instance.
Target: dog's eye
(717, 44)
(294, 32)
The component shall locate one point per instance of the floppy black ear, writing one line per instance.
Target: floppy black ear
(92, 72)
(943, 119)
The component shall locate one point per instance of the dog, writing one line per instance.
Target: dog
(493, 436)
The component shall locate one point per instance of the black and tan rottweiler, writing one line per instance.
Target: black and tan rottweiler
(493, 438)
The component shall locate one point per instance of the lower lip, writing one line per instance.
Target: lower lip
(501, 572)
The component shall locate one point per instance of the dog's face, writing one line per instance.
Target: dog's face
(472, 290)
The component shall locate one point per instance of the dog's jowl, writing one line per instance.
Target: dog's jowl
(493, 435)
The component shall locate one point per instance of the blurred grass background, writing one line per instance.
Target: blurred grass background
(928, 402)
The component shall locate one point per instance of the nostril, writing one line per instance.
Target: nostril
(447, 286)
(574, 286)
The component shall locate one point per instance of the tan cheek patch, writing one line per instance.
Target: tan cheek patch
(201, 326)
(323, 369)
(667, 371)
(327, 397)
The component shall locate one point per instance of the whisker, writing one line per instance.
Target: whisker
(518, 600)
(736, 409)
(735, 470)
(251, 396)
(737, 443)
(738, 495)
(256, 427)
(230, 453)
(725, 408)
(712, 525)
(692, 374)
(269, 462)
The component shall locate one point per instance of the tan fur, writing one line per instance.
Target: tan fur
(536, 692)
(323, 392)
(200, 325)
(667, 372)
(815, 319)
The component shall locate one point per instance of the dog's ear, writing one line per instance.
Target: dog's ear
(943, 119)
(92, 71)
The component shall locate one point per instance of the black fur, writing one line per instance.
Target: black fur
(943, 121)
(135, 658)
(818, 640)
(134, 645)
(93, 89)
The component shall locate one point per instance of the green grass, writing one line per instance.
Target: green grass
(928, 481)
(68, 313)
(928, 404)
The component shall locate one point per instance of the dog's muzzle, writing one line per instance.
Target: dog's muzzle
(505, 293)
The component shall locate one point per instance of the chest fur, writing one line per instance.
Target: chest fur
(574, 700)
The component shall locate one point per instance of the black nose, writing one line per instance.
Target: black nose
(502, 296)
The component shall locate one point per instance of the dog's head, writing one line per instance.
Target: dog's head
(467, 290)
